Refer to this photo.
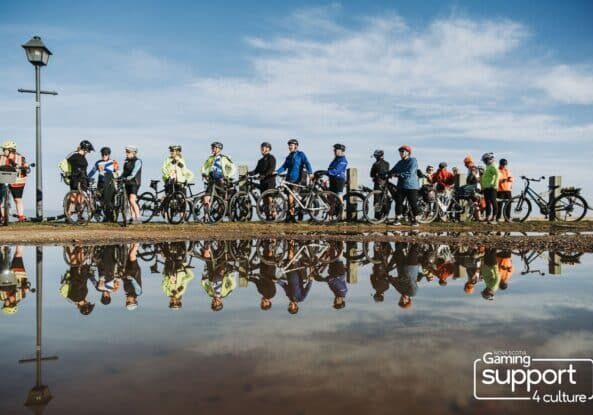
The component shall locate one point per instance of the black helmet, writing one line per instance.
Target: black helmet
(503, 162)
(378, 153)
(293, 141)
(217, 144)
(442, 165)
(339, 146)
(86, 146)
(266, 144)
(174, 147)
(486, 157)
(105, 151)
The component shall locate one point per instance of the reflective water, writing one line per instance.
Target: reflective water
(280, 326)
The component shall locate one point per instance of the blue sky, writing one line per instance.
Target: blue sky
(448, 78)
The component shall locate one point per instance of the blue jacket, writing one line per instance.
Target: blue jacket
(337, 168)
(294, 164)
(406, 170)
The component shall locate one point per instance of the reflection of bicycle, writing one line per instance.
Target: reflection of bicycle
(570, 206)
(527, 257)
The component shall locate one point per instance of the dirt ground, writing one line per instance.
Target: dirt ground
(565, 237)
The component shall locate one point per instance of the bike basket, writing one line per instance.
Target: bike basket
(570, 190)
(428, 194)
(7, 177)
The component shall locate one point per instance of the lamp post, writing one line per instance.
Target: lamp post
(38, 54)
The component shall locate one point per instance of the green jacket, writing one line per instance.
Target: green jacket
(179, 171)
(229, 169)
(489, 178)
(175, 285)
(491, 276)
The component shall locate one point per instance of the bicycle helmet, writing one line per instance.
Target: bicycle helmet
(293, 141)
(105, 151)
(339, 146)
(487, 157)
(503, 162)
(468, 160)
(9, 145)
(378, 153)
(266, 144)
(132, 149)
(174, 147)
(86, 309)
(442, 165)
(217, 144)
(405, 148)
(86, 146)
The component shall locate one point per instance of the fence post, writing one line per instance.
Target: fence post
(352, 184)
(351, 266)
(553, 182)
(554, 264)
(461, 180)
(243, 172)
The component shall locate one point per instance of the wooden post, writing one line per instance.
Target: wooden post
(352, 266)
(554, 264)
(243, 172)
(352, 184)
(461, 180)
(554, 193)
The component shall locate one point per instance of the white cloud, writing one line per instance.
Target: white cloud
(568, 85)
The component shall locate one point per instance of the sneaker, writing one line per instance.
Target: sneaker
(415, 224)
(397, 222)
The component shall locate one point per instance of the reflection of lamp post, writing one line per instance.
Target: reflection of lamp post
(39, 395)
(38, 55)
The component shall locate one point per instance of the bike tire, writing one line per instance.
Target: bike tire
(148, 204)
(518, 210)
(428, 211)
(240, 207)
(82, 211)
(567, 203)
(175, 207)
(274, 211)
(376, 212)
(354, 202)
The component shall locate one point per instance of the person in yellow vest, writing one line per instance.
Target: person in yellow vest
(13, 280)
(10, 160)
(505, 187)
(177, 274)
(218, 279)
(489, 182)
(175, 171)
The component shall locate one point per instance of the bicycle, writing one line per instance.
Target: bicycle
(6, 179)
(120, 202)
(242, 203)
(570, 206)
(217, 208)
(81, 205)
(320, 204)
(354, 200)
(174, 207)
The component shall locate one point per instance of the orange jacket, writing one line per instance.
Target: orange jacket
(505, 180)
(443, 177)
(505, 268)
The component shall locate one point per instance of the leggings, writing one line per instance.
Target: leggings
(491, 206)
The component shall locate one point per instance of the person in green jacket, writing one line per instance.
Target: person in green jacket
(217, 169)
(489, 182)
(490, 274)
(175, 172)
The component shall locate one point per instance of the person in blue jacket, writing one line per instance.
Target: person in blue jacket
(337, 170)
(293, 166)
(407, 184)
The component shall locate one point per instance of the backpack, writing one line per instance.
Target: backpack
(65, 170)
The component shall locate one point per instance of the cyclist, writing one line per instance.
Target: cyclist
(108, 170)
(427, 176)
(217, 169)
(10, 160)
(379, 172)
(266, 168)
(132, 278)
(489, 183)
(177, 274)
(132, 176)
(505, 185)
(293, 166)
(175, 172)
(407, 183)
(79, 164)
(337, 170)
(443, 178)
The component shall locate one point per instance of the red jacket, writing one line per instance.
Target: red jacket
(443, 177)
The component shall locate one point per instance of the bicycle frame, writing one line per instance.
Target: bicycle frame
(288, 187)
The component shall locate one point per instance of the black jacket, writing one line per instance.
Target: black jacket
(266, 167)
(379, 169)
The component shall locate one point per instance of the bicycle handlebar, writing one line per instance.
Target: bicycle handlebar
(533, 180)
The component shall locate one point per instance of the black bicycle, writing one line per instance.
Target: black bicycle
(570, 206)
(173, 207)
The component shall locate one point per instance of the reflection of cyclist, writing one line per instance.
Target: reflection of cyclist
(13, 280)
(175, 171)
(108, 170)
(505, 268)
(337, 282)
(107, 284)
(217, 279)
(293, 165)
(75, 282)
(217, 169)
(490, 274)
(132, 176)
(297, 284)
(132, 278)
(176, 274)
(379, 281)
(407, 271)
(265, 282)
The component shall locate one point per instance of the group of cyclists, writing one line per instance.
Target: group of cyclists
(292, 267)
(489, 185)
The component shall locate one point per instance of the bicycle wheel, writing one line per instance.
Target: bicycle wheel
(570, 208)
(213, 213)
(175, 208)
(354, 202)
(76, 208)
(240, 207)
(272, 206)
(148, 204)
(329, 207)
(376, 207)
(428, 211)
(518, 209)
(121, 208)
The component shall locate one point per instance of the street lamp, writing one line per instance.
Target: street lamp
(38, 54)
